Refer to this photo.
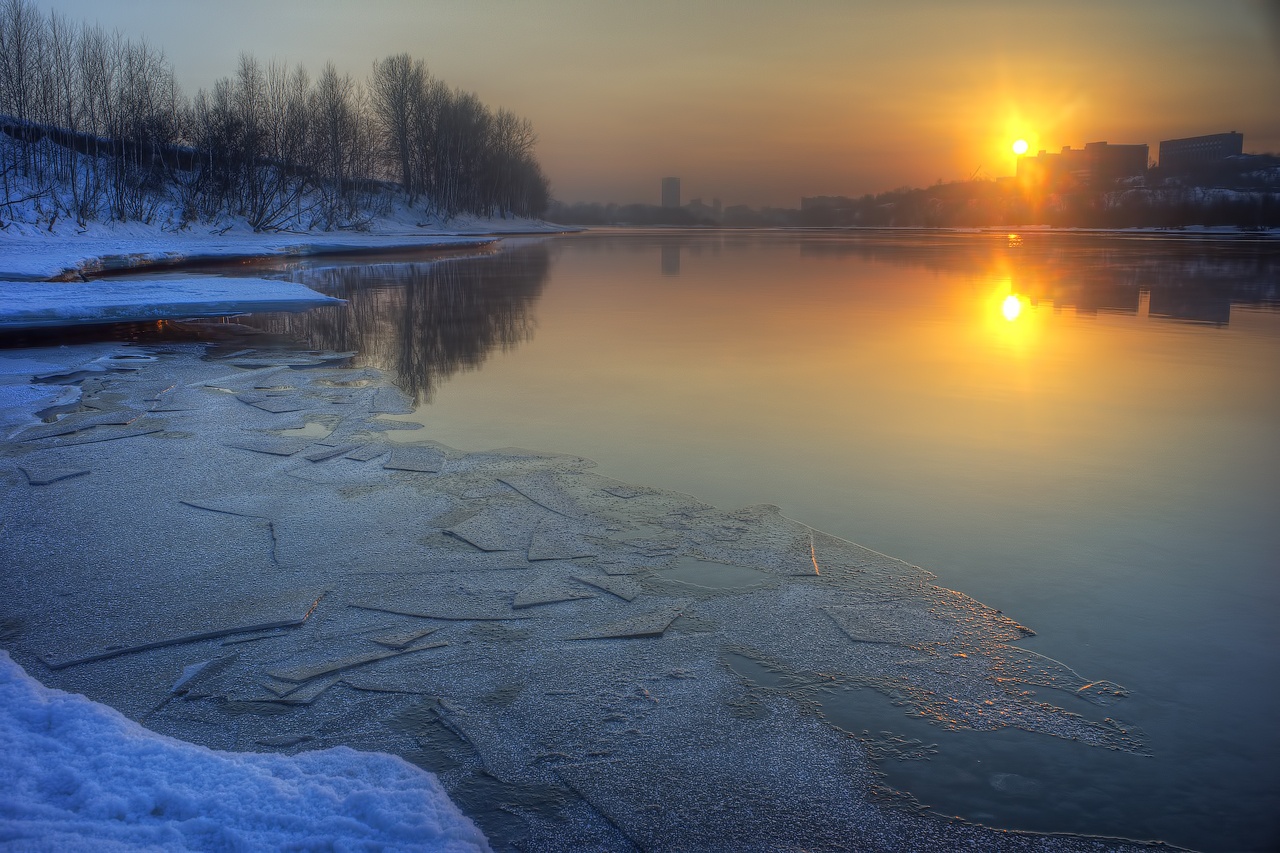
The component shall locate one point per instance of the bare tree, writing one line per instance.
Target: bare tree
(398, 94)
(92, 125)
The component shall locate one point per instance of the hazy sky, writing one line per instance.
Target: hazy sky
(763, 102)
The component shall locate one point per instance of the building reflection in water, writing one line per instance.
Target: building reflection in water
(1187, 280)
(420, 322)
(671, 259)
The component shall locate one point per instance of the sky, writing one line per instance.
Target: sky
(761, 103)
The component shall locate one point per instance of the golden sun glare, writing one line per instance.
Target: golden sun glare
(1020, 147)
(1011, 307)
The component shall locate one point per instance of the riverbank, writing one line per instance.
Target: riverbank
(66, 252)
(562, 649)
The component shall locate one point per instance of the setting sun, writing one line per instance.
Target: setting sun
(1020, 147)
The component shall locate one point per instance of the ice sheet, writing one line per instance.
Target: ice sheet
(25, 305)
(579, 626)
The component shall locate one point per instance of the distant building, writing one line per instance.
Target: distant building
(670, 192)
(1182, 155)
(1097, 164)
(1108, 163)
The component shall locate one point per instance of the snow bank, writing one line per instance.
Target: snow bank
(37, 304)
(36, 252)
(76, 775)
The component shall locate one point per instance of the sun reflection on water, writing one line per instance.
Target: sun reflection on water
(1011, 308)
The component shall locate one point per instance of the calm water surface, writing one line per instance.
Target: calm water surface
(1097, 457)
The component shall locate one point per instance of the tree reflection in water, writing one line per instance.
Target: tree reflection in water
(420, 322)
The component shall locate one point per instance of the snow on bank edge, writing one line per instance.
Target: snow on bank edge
(76, 775)
(27, 305)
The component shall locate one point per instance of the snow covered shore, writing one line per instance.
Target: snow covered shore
(30, 305)
(78, 775)
(40, 253)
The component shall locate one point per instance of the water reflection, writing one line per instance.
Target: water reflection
(421, 322)
(671, 259)
(1091, 466)
(1011, 307)
(1187, 280)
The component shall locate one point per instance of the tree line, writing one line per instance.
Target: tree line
(93, 126)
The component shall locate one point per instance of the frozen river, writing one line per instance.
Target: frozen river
(1095, 458)
(1076, 431)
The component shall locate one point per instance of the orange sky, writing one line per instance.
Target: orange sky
(763, 102)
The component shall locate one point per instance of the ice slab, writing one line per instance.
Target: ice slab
(553, 539)
(29, 305)
(444, 614)
(275, 405)
(324, 452)
(368, 452)
(78, 421)
(200, 673)
(96, 435)
(544, 489)
(284, 617)
(247, 506)
(271, 446)
(268, 359)
(711, 575)
(621, 586)
(622, 490)
(426, 460)
(390, 401)
(1027, 667)
(247, 380)
(403, 637)
(739, 793)
(501, 528)
(651, 623)
(302, 694)
(548, 591)
(307, 673)
(283, 741)
(43, 475)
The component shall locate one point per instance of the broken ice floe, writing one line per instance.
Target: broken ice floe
(447, 614)
(248, 506)
(623, 587)
(389, 401)
(425, 460)
(553, 539)
(549, 591)
(329, 667)
(247, 380)
(43, 475)
(403, 637)
(271, 446)
(546, 490)
(276, 404)
(501, 528)
(367, 452)
(650, 623)
(901, 622)
(97, 434)
(79, 421)
(211, 631)
(572, 629)
(196, 674)
(322, 452)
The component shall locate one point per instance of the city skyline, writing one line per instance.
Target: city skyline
(764, 103)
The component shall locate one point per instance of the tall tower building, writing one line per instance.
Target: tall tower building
(670, 192)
